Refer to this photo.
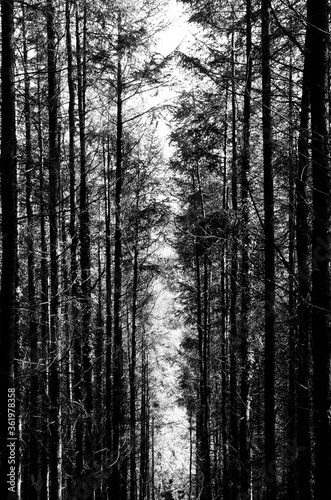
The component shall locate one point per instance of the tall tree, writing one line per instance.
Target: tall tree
(201, 269)
(245, 293)
(84, 220)
(234, 288)
(54, 170)
(269, 260)
(108, 298)
(291, 415)
(9, 250)
(76, 359)
(303, 287)
(44, 289)
(118, 486)
(34, 448)
(317, 21)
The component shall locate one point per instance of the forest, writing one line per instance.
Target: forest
(165, 326)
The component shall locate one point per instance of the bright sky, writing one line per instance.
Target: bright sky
(177, 36)
(178, 32)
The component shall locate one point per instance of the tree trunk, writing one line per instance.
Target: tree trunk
(109, 319)
(205, 399)
(9, 248)
(34, 408)
(303, 290)
(44, 297)
(118, 486)
(153, 458)
(77, 356)
(201, 276)
(317, 19)
(245, 295)
(234, 464)
(100, 359)
(143, 427)
(225, 384)
(224, 348)
(133, 361)
(269, 256)
(84, 233)
(191, 457)
(54, 164)
(290, 414)
(133, 486)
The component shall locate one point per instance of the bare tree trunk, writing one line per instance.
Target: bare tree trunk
(202, 430)
(143, 427)
(133, 361)
(109, 318)
(245, 293)
(153, 459)
(77, 355)
(44, 298)
(9, 247)
(54, 161)
(118, 485)
(100, 359)
(34, 414)
(84, 233)
(224, 348)
(317, 22)
(234, 464)
(290, 414)
(303, 290)
(269, 256)
(191, 458)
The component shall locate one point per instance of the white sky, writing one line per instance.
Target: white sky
(178, 32)
(179, 35)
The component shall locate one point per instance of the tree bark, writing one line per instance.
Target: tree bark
(317, 22)
(53, 165)
(245, 293)
(202, 431)
(269, 256)
(9, 244)
(118, 486)
(234, 465)
(44, 294)
(84, 232)
(303, 312)
(143, 427)
(133, 361)
(224, 348)
(77, 349)
(34, 414)
(109, 317)
(290, 415)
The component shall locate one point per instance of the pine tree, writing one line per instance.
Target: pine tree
(317, 19)
(9, 250)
